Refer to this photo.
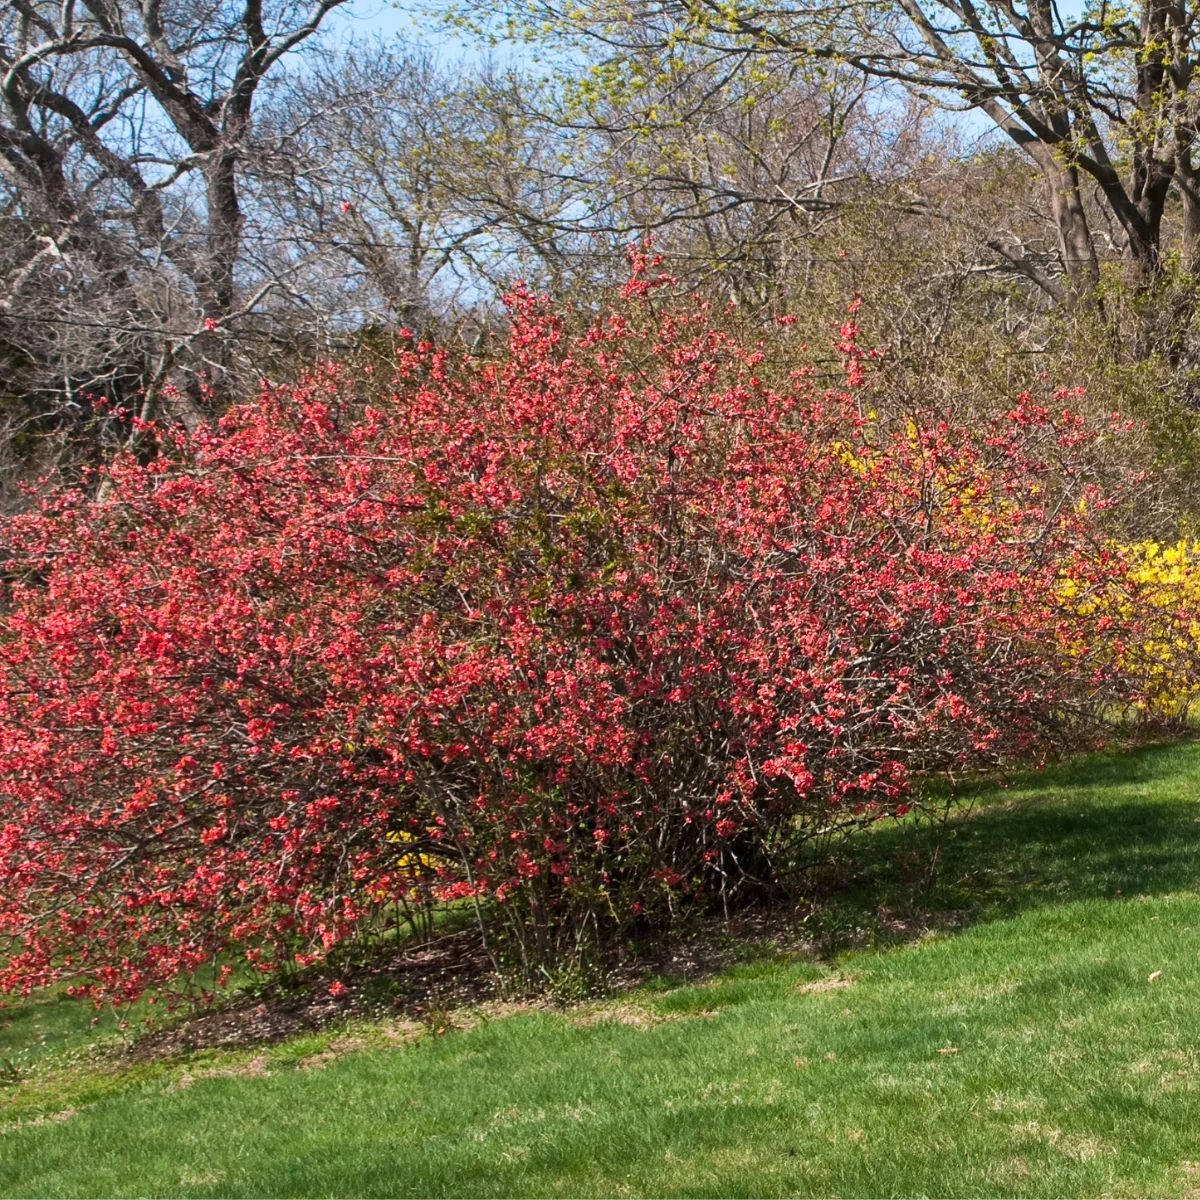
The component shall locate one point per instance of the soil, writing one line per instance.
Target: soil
(427, 983)
(448, 972)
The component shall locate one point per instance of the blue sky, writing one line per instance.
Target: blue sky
(395, 18)
(372, 16)
(383, 17)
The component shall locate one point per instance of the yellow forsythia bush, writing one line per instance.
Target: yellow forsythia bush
(1160, 605)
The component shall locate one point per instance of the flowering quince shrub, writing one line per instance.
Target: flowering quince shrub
(570, 632)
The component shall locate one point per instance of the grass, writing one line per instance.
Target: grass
(1040, 1037)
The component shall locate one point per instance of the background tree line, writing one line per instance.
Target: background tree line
(196, 196)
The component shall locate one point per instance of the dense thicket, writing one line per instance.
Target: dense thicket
(339, 592)
(574, 630)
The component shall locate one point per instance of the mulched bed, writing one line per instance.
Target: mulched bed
(448, 972)
(453, 971)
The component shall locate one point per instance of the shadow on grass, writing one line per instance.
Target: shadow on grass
(46, 1023)
(1114, 824)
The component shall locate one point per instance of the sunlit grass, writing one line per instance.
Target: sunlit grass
(1040, 1037)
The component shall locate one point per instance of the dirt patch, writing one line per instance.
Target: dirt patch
(499, 1010)
(914, 924)
(632, 1015)
(335, 1050)
(1016, 1166)
(448, 972)
(240, 1024)
(636, 1016)
(201, 1178)
(46, 1119)
(1080, 1147)
(256, 1068)
(450, 983)
(400, 1031)
(316, 1062)
(824, 985)
(1191, 1180)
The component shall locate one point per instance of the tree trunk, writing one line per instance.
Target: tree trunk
(1074, 234)
(1189, 189)
(217, 281)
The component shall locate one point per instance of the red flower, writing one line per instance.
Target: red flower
(331, 661)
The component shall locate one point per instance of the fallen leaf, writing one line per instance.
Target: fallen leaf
(948, 1050)
(1153, 976)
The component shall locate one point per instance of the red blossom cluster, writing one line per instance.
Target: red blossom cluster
(566, 632)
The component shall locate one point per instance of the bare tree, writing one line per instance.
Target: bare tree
(1104, 95)
(435, 185)
(732, 167)
(187, 204)
(392, 189)
(123, 129)
(1101, 99)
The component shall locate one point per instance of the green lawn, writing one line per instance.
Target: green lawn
(1033, 1049)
